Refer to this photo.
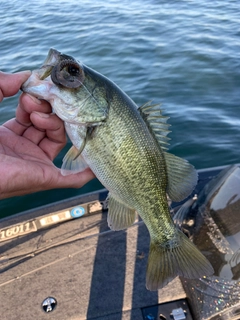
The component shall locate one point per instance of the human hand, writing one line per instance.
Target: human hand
(29, 143)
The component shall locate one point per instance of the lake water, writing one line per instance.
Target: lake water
(184, 54)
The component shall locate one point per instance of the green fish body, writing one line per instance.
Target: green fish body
(125, 146)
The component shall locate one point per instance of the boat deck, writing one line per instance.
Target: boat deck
(91, 271)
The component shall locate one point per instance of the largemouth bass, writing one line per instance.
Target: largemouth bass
(125, 146)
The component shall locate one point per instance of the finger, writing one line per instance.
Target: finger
(47, 132)
(11, 83)
(15, 126)
(34, 135)
(53, 126)
(55, 136)
(76, 180)
(27, 105)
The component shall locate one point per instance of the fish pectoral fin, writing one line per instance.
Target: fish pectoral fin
(182, 177)
(73, 162)
(120, 216)
(166, 263)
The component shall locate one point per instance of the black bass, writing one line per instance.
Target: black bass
(125, 146)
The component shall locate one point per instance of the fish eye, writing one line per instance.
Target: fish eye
(68, 74)
(73, 70)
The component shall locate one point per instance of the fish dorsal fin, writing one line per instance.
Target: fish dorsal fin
(120, 216)
(156, 122)
(182, 177)
(73, 162)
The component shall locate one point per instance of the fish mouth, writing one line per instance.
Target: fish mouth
(54, 57)
(50, 62)
(53, 67)
(34, 84)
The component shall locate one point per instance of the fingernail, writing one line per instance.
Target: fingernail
(36, 100)
(42, 115)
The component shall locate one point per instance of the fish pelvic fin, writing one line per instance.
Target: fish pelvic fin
(184, 259)
(73, 162)
(120, 216)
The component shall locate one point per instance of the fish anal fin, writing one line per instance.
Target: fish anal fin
(73, 162)
(166, 263)
(120, 216)
(182, 177)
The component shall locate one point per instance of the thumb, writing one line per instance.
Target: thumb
(76, 180)
(11, 83)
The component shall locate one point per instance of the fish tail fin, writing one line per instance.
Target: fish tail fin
(166, 263)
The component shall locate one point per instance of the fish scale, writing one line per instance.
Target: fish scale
(118, 169)
(125, 146)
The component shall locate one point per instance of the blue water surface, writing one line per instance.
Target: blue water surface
(183, 54)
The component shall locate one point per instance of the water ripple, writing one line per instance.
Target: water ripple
(185, 54)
